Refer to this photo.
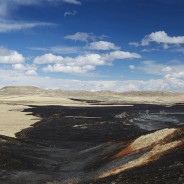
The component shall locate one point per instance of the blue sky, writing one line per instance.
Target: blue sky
(119, 45)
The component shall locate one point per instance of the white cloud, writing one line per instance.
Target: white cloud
(13, 78)
(7, 6)
(149, 50)
(48, 58)
(102, 45)
(70, 13)
(135, 44)
(132, 67)
(7, 26)
(31, 72)
(79, 36)
(59, 49)
(83, 37)
(82, 63)
(69, 69)
(162, 37)
(168, 72)
(28, 69)
(72, 2)
(10, 56)
(88, 59)
(166, 46)
(19, 67)
(119, 55)
(65, 50)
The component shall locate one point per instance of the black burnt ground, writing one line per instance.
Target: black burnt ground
(65, 143)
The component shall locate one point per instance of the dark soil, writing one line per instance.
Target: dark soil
(70, 142)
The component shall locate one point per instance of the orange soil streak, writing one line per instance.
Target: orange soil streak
(157, 156)
(153, 158)
(130, 149)
(125, 151)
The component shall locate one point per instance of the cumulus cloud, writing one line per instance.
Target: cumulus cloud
(7, 26)
(82, 63)
(162, 37)
(102, 45)
(10, 56)
(70, 13)
(83, 37)
(27, 69)
(48, 58)
(87, 59)
(119, 55)
(19, 67)
(69, 69)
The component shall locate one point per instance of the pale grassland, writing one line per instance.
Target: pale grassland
(12, 120)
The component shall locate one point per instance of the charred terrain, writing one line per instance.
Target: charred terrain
(97, 144)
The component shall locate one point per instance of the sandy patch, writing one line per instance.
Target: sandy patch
(12, 120)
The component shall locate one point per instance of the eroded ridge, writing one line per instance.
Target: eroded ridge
(156, 145)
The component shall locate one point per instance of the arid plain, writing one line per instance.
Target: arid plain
(69, 137)
(14, 99)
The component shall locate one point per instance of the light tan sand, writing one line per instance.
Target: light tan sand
(12, 120)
